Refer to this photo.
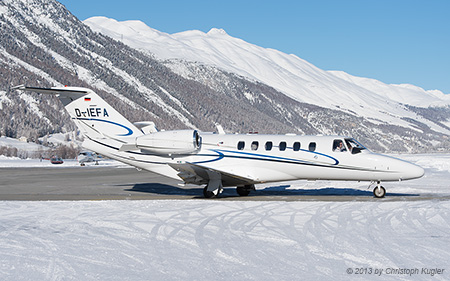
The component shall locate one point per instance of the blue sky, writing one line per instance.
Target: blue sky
(393, 41)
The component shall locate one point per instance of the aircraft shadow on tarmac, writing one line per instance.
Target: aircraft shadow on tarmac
(197, 192)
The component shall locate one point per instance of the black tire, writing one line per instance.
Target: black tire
(208, 194)
(242, 190)
(379, 192)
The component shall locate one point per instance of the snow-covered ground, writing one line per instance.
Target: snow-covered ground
(235, 240)
(213, 240)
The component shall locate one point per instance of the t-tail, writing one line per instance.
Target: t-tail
(95, 118)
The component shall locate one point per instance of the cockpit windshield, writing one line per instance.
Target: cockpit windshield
(354, 146)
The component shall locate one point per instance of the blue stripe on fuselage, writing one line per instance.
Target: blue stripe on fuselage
(256, 156)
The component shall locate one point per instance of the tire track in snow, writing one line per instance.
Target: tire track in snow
(222, 240)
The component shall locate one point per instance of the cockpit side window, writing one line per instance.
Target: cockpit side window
(338, 146)
(354, 146)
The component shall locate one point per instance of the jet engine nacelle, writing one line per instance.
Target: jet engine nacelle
(170, 142)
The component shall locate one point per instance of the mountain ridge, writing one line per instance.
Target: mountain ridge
(288, 74)
(117, 30)
(42, 44)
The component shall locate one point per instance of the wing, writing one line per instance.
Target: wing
(197, 174)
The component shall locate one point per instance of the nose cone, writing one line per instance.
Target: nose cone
(411, 171)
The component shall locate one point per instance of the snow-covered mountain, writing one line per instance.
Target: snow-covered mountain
(289, 74)
(43, 44)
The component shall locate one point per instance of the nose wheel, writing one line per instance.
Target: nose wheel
(379, 191)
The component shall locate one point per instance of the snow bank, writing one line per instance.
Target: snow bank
(20, 145)
(439, 162)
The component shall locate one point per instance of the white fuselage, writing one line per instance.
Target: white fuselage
(272, 158)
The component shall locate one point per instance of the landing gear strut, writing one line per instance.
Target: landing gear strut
(379, 191)
(214, 186)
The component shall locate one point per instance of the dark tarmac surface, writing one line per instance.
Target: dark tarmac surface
(112, 183)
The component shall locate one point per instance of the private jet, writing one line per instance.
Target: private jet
(87, 157)
(219, 160)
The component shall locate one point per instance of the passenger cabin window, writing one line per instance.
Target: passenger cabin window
(338, 146)
(269, 145)
(282, 146)
(241, 145)
(296, 146)
(255, 145)
(312, 146)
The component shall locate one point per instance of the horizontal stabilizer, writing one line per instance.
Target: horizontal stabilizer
(77, 91)
(128, 147)
(65, 94)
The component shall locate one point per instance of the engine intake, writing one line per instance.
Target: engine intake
(170, 142)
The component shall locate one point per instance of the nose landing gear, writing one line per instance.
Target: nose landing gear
(379, 191)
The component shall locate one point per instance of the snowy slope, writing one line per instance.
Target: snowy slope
(402, 93)
(288, 73)
(20, 145)
(43, 15)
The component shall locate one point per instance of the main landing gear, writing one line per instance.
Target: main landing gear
(242, 190)
(379, 191)
(209, 194)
